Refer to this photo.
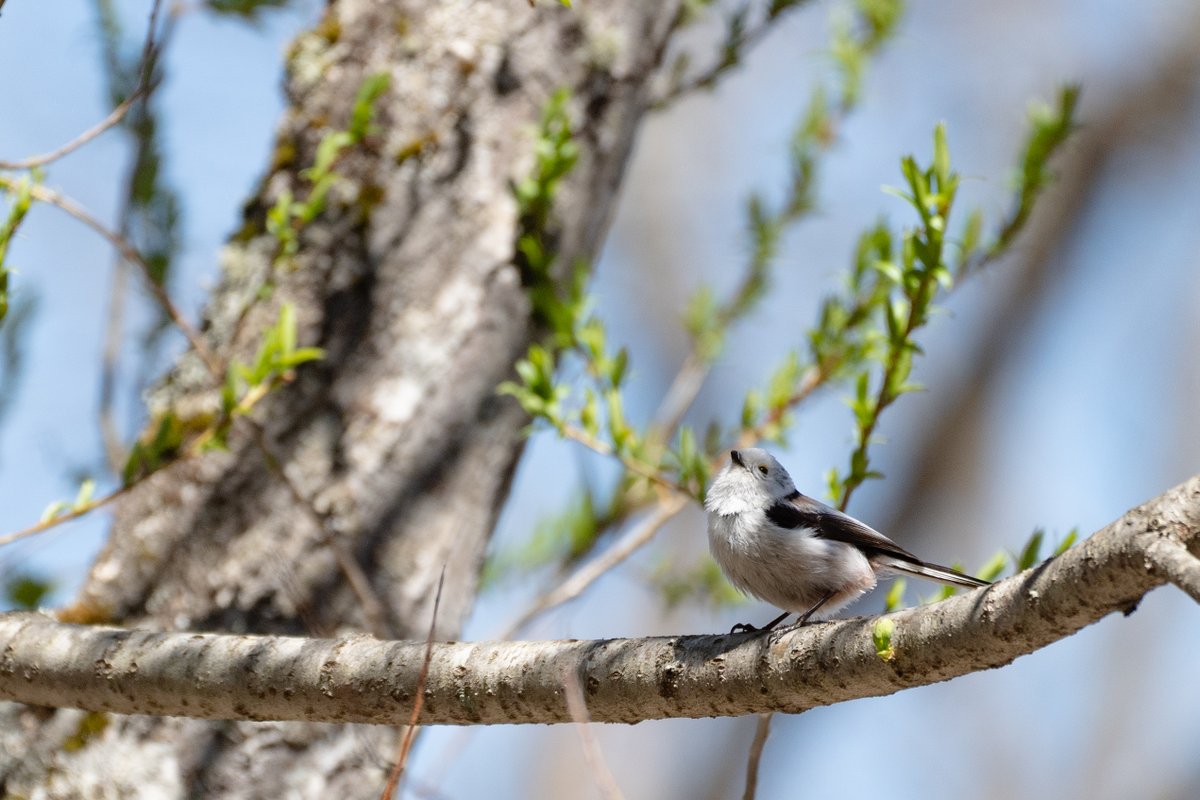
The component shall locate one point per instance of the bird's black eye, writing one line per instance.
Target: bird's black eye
(762, 468)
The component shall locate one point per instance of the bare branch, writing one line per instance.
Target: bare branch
(1177, 564)
(708, 78)
(592, 571)
(115, 116)
(410, 732)
(577, 705)
(67, 516)
(130, 253)
(362, 679)
(762, 730)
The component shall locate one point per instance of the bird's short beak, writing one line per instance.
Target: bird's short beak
(737, 458)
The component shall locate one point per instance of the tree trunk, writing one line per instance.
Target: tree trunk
(396, 449)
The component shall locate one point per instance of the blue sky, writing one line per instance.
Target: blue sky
(1093, 411)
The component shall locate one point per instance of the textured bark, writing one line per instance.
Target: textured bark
(361, 679)
(397, 438)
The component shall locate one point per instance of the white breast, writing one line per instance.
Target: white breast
(791, 569)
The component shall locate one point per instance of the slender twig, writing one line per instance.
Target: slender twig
(681, 394)
(708, 78)
(115, 116)
(813, 379)
(638, 468)
(577, 706)
(68, 516)
(65, 203)
(884, 397)
(582, 578)
(194, 448)
(762, 730)
(113, 119)
(410, 732)
(114, 448)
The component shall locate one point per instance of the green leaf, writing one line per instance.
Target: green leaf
(25, 590)
(1031, 553)
(248, 9)
(618, 429)
(328, 150)
(993, 567)
(888, 270)
(783, 382)
(941, 156)
(286, 325)
(1066, 543)
(895, 596)
(302, 355)
(881, 634)
(21, 192)
(619, 364)
(55, 509)
(833, 485)
(751, 408)
(369, 92)
(84, 497)
(589, 415)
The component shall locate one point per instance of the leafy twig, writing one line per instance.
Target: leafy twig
(741, 36)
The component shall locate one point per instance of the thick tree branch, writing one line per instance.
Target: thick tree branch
(362, 679)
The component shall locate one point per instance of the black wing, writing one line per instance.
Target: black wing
(797, 511)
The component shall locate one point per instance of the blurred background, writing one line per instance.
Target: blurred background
(1061, 384)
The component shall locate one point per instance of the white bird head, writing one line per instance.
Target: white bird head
(752, 480)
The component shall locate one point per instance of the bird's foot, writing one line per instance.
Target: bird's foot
(743, 627)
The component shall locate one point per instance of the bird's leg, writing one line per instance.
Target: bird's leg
(742, 626)
(804, 617)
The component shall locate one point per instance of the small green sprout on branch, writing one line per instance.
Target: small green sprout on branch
(246, 384)
(555, 154)
(82, 501)
(289, 216)
(21, 198)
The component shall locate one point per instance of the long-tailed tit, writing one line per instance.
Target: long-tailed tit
(793, 551)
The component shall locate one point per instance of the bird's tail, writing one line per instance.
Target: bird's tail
(934, 572)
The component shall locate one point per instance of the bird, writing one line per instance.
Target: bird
(797, 553)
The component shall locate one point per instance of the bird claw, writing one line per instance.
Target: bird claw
(743, 627)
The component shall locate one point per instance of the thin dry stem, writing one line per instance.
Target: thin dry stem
(577, 705)
(114, 117)
(61, 201)
(73, 514)
(762, 730)
(636, 467)
(406, 740)
(582, 578)
(708, 78)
